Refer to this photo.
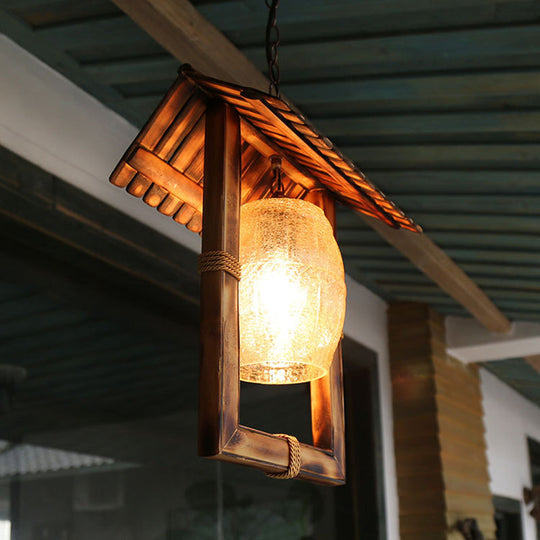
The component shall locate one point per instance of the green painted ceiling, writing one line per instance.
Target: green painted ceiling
(519, 375)
(438, 102)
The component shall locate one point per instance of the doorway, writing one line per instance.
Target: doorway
(360, 507)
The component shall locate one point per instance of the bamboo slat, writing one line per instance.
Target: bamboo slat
(170, 205)
(139, 185)
(175, 136)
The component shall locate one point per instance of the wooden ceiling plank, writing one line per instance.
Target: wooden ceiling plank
(179, 27)
(498, 273)
(455, 222)
(492, 126)
(467, 182)
(308, 19)
(190, 37)
(487, 256)
(457, 91)
(108, 31)
(453, 156)
(132, 70)
(387, 279)
(516, 204)
(529, 296)
(23, 35)
(466, 239)
(436, 51)
(23, 4)
(446, 221)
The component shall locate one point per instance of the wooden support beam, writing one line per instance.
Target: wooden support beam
(180, 28)
(534, 361)
(436, 264)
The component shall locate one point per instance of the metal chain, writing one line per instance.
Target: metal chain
(272, 44)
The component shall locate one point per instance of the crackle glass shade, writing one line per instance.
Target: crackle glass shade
(292, 292)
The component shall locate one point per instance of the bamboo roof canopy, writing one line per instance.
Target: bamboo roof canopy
(164, 165)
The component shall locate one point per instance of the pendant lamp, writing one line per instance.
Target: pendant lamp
(272, 279)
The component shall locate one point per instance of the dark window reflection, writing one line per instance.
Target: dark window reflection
(98, 421)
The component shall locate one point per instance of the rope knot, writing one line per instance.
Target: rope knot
(214, 261)
(295, 458)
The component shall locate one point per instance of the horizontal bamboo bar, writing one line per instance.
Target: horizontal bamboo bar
(161, 173)
(268, 452)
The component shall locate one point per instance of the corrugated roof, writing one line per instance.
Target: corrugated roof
(26, 459)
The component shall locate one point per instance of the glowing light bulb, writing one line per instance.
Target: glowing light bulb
(292, 292)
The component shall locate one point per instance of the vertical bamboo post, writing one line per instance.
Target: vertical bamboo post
(327, 409)
(219, 383)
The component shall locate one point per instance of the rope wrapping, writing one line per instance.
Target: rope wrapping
(214, 261)
(295, 459)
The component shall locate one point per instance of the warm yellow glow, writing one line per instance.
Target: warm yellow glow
(292, 292)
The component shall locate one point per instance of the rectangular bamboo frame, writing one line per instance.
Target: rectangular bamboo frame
(220, 434)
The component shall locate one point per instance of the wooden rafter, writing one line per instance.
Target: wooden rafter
(178, 27)
(440, 268)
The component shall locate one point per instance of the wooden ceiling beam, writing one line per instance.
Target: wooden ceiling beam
(438, 266)
(534, 362)
(186, 34)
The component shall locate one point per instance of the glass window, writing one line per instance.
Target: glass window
(98, 412)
